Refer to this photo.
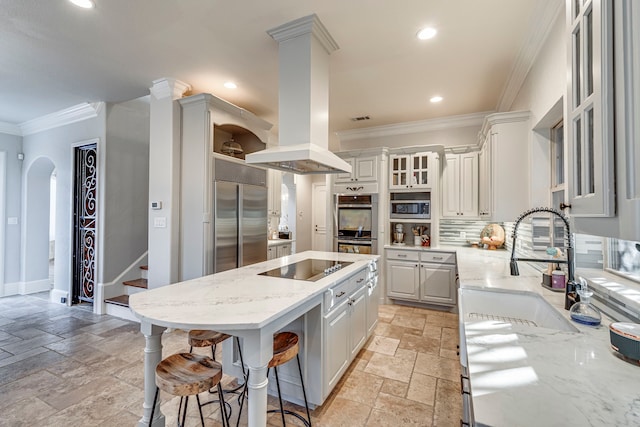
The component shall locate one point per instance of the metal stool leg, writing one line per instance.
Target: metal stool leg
(275, 370)
(153, 408)
(304, 393)
(184, 413)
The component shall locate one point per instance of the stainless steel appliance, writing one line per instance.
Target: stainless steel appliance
(410, 206)
(240, 222)
(310, 270)
(355, 221)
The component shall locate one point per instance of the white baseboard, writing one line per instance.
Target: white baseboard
(8, 289)
(35, 286)
(121, 312)
(57, 295)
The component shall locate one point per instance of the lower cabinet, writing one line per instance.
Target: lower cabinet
(373, 303)
(429, 276)
(438, 283)
(279, 249)
(346, 327)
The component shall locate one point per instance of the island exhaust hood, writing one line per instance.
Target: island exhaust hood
(304, 46)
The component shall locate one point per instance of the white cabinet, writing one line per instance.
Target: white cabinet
(429, 276)
(373, 302)
(345, 328)
(402, 279)
(274, 196)
(358, 314)
(504, 182)
(460, 186)
(337, 344)
(363, 169)
(278, 248)
(435, 283)
(484, 180)
(283, 250)
(410, 171)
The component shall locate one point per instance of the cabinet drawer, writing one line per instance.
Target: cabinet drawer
(403, 255)
(438, 257)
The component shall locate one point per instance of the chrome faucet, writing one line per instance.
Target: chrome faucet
(570, 294)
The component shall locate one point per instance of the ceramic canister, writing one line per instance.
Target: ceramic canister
(558, 279)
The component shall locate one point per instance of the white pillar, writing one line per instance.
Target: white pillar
(257, 351)
(164, 181)
(152, 356)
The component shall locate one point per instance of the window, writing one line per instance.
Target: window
(624, 258)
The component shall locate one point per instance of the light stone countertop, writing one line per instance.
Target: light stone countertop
(276, 242)
(238, 298)
(528, 376)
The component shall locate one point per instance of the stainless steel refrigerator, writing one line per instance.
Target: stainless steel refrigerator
(240, 221)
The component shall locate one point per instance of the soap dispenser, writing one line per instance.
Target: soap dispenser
(583, 311)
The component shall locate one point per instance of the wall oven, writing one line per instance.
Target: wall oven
(355, 223)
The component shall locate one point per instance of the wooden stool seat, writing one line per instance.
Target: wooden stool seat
(187, 374)
(203, 338)
(285, 348)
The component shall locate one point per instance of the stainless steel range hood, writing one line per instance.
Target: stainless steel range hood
(304, 49)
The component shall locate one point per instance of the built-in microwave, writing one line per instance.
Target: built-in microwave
(418, 209)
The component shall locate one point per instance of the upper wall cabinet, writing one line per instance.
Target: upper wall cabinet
(589, 108)
(410, 171)
(274, 194)
(460, 186)
(504, 166)
(363, 169)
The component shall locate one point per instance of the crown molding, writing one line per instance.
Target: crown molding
(74, 114)
(168, 87)
(544, 17)
(10, 129)
(305, 25)
(451, 122)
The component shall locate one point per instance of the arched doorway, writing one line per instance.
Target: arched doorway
(35, 266)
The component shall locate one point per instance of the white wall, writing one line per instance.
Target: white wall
(56, 145)
(12, 145)
(542, 94)
(126, 186)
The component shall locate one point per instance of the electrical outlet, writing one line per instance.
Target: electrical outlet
(463, 234)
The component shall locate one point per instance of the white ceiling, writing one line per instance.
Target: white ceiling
(54, 55)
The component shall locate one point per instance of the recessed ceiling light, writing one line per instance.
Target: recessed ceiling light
(435, 99)
(427, 33)
(86, 4)
(230, 85)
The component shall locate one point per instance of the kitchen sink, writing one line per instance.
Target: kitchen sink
(521, 308)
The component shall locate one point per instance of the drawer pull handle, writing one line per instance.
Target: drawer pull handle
(437, 257)
(360, 280)
(402, 255)
(339, 294)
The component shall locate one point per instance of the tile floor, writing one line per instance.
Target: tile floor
(67, 367)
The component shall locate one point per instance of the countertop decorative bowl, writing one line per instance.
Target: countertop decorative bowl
(625, 339)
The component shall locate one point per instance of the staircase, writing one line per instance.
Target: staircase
(119, 306)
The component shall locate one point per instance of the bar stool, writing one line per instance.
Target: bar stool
(187, 374)
(285, 347)
(207, 338)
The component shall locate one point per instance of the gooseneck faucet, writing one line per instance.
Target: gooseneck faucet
(570, 294)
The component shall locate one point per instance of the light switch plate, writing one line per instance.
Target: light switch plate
(160, 222)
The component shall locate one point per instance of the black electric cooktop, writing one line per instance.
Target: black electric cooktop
(310, 270)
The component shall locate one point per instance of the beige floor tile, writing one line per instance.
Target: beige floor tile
(390, 367)
(422, 388)
(345, 413)
(383, 345)
(394, 411)
(450, 338)
(420, 344)
(27, 412)
(407, 355)
(393, 331)
(437, 366)
(449, 354)
(409, 321)
(448, 407)
(442, 320)
(432, 331)
(361, 387)
(394, 388)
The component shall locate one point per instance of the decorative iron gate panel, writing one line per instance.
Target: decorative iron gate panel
(85, 210)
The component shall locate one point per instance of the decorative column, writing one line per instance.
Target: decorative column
(164, 181)
(152, 356)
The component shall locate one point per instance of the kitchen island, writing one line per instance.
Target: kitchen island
(245, 303)
(536, 376)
